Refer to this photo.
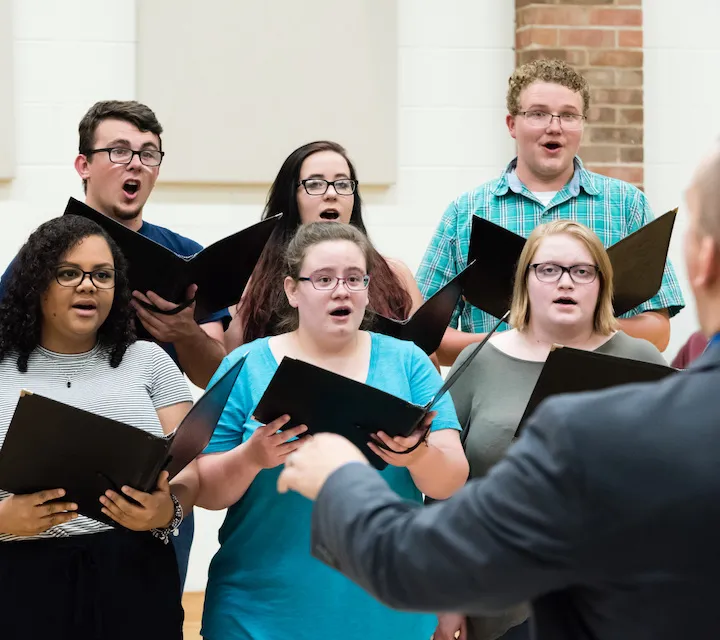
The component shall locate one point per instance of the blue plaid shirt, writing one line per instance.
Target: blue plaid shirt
(612, 208)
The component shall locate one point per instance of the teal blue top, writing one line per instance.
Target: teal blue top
(263, 583)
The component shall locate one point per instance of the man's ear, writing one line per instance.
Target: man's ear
(290, 287)
(510, 122)
(82, 166)
(707, 273)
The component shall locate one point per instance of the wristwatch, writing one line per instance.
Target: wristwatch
(164, 533)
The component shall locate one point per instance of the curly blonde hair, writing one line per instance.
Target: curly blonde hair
(546, 70)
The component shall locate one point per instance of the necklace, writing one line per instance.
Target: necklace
(68, 364)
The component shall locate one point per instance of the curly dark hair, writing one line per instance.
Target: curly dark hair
(31, 274)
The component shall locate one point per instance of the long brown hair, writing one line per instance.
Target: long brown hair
(264, 297)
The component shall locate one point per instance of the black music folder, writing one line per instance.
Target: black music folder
(220, 270)
(569, 370)
(327, 402)
(638, 262)
(51, 445)
(426, 327)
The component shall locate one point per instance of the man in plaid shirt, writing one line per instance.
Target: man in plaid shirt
(547, 105)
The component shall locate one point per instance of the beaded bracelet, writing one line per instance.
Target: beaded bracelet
(164, 533)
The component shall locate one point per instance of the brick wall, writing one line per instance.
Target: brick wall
(603, 39)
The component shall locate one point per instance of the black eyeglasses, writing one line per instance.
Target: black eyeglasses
(68, 276)
(319, 187)
(324, 282)
(544, 119)
(123, 155)
(551, 272)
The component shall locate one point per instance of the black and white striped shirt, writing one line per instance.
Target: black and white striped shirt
(146, 380)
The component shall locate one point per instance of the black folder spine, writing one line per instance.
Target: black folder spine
(157, 462)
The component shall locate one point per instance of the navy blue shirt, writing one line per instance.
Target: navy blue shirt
(175, 242)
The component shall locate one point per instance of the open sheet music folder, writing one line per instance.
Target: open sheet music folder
(52, 445)
(326, 401)
(569, 370)
(220, 270)
(638, 262)
(426, 327)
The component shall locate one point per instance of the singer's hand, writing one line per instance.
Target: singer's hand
(399, 444)
(154, 511)
(34, 513)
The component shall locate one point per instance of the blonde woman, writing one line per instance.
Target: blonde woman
(562, 295)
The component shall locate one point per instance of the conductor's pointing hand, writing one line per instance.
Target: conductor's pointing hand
(307, 469)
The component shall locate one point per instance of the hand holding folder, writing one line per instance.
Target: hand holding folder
(569, 370)
(221, 271)
(325, 401)
(638, 262)
(51, 445)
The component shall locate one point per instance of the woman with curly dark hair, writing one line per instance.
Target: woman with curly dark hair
(66, 333)
(317, 182)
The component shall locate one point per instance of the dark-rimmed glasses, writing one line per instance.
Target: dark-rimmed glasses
(319, 187)
(551, 272)
(324, 282)
(73, 276)
(544, 119)
(123, 155)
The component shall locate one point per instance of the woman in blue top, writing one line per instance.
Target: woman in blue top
(263, 583)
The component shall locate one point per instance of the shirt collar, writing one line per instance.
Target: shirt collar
(581, 178)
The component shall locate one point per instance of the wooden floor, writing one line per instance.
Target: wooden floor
(193, 604)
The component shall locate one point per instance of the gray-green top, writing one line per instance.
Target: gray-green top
(491, 397)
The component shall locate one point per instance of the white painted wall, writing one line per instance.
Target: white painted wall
(682, 122)
(454, 56)
(454, 60)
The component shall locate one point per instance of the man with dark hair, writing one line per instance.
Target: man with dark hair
(119, 158)
(130, 112)
(120, 152)
(548, 103)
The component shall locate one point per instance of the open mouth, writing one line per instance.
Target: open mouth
(552, 146)
(84, 309)
(131, 187)
(330, 214)
(566, 301)
(340, 312)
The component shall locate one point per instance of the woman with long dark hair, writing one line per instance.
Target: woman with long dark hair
(66, 332)
(316, 182)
